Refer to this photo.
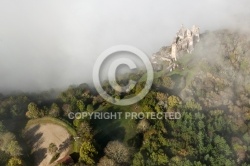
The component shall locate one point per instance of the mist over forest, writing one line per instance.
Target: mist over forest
(54, 44)
(47, 52)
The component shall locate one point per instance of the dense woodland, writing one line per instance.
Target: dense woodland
(210, 88)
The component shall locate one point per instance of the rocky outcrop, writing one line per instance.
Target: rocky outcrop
(184, 41)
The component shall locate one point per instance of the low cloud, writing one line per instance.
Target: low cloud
(52, 44)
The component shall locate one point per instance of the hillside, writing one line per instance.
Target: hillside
(210, 88)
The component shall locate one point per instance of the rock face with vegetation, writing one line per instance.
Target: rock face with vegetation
(184, 41)
(210, 88)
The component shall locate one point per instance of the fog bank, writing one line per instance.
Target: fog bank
(54, 43)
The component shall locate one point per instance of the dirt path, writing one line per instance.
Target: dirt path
(40, 136)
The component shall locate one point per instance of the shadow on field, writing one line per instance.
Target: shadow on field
(65, 144)
(34, 140)
(108, 130)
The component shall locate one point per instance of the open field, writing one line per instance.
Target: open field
(40, 135)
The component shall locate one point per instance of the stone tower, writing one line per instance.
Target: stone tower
(174, 51)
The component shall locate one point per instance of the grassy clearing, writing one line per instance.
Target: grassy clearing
(128, 123)
(112, 129)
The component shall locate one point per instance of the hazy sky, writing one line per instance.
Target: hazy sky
(54, 43)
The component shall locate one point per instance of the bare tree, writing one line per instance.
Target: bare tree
(142, 126)
(117, 151)
(105, 161)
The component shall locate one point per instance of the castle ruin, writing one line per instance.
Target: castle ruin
(183, 42)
